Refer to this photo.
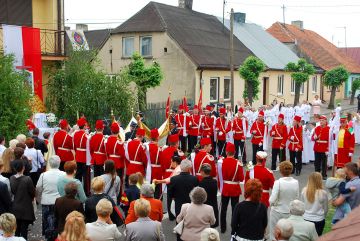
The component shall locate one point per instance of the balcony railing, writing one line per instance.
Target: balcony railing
(52, 42)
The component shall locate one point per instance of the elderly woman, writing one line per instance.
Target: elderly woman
(283, 230)
(144, 228)
(74, 229)
(156, 212)
(8, 227)
(316, 201)
(70, 169)
(47, 193)
(103, 228)
(285, 190)
(249, 219)
(210, 234)
(197, 216)
(36, 157)
(13, 143)
(303, 230)
(98, 186)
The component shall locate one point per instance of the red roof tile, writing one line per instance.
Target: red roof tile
(320, 51)
(353, 53)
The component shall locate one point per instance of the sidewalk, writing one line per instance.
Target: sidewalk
(345, 107)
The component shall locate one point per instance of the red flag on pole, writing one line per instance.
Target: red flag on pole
(167, 110)
(186, 108)
(200, 101)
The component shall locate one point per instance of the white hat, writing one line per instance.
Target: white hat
(261, 155)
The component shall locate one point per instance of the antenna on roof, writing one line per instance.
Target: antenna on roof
(283, 9)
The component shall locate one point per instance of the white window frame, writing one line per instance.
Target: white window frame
(141, 52)
(292, 86)
(227, 78)
(280, 84)
(314, 84)
(302, 89)
(217, 89)
(123, 46)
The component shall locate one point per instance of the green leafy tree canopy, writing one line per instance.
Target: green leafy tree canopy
(15, 97)
(334, 78)
(355, 85)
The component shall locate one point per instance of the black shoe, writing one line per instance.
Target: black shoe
(297, 172)
(171, 216)
(223, 230)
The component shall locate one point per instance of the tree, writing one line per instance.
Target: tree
(250, 71)
(300, 73)
(15, 97)
(144, 77)
(334, 78)
(77, 86)
(355, 85)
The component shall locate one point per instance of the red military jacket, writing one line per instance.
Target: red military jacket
(349, 140)
(322, 140)
(295, 138)
(222, 128)
(232, 174)
(97, 149)
(80, 138)
(194, 125)
(136, 159)
(257, 130)
(63, 146)
(165, 160)
(115, 151)
(279, 134)
(154, 154)
(267, 179)
(202, 157)
(238, 129)
(180, 122)
(207, 126)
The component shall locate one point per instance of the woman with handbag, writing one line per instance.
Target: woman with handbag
(37, 160)
(285, 190)
(194, 217)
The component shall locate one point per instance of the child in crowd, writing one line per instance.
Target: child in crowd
(336, 186)
(131, 193)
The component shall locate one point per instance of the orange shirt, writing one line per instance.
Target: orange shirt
(156, 212)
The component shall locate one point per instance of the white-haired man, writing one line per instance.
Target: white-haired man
(303, 230)
(283, 230)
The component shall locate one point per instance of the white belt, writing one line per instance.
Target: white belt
(231, 182)
(80, 149)
(136, 162)
(238, 132)
(194, 127)
(266, 191)
(278, 138)
(169, 170)
(293, 142)
(320, 141)
(64, 149)
(155, 165)
(99, 153)
(206, 129)
(116, 156)
(258, 136)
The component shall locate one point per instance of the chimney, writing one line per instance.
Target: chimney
(239, 17)
(298, 23)
(187, 4)
(83, 27)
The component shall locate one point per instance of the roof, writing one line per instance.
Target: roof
(347, 229)
(267, 48)
(201, 36)
(97, 38)
(320, 51)
(353, 53)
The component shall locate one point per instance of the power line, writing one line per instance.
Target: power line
(296, 6)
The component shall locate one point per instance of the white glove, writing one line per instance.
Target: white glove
(260, 144)
(296, 149)
(273, 133)
(292, 138)
(327, 153)
(254, 132)
(220, 133)
(315, 137)
(350, 154)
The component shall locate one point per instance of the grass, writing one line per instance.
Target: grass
(328, 219)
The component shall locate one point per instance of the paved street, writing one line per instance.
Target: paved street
(35, 233)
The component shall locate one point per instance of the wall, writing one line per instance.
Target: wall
(179, 71)
(348, 84)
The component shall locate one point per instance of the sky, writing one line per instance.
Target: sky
(329, 18)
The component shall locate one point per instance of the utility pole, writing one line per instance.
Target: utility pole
(232, 57)
(224, 2)
(283, 9)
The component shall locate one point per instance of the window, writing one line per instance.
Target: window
(302, 88)
(146, 46)
(314, 84)
(214, 85)
(292, 86)
(280, 88)
(127, 47)
(227, 88)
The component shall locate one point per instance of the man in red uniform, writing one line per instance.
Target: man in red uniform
(265, 176)
(230, 175)
(153, 153)
(345, 144)
(80, 140)
(279, 138)
(181, 125)
(257, 130)
(135, 154)
(97, 149)
(63, 144)
(321, 146)
(203, 157)
(240, 127)
(221, 128)
(296, 144)
(208, 127)
(115, 150)
(194, 128)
